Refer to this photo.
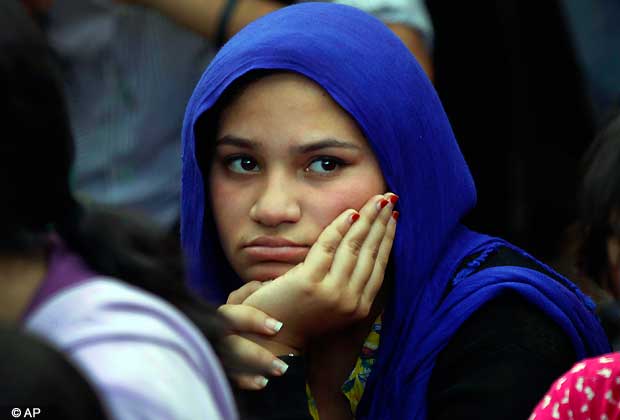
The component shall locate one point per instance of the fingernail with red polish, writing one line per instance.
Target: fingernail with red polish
(382, 204)
(395, 215)
(354, 217)
(394, 198)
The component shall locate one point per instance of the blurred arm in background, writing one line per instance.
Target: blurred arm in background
(408, 19)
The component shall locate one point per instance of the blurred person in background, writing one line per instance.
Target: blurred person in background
(594, 28)
(35, 375)
(509, 77)
(91, 282)
(129, 67)
(591, 389)
(599, 258)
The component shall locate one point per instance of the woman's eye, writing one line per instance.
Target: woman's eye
(324, 165)
(242, 164)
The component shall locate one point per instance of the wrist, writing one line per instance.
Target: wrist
(280, 348)
(274, 345)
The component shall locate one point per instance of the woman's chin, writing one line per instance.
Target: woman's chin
(267, 271)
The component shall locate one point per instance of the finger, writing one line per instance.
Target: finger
(241, 294)
(247, 319)
(371, 247)
(346, 256)
(376, 278)
(250, 382)
(252, 358)
(320, 257)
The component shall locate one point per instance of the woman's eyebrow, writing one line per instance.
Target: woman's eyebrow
(238, 142)
(323, 144)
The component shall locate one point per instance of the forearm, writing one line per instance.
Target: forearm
(203, 16)
(273, 345)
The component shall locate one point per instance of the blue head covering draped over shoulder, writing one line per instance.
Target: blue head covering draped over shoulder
(372, 75)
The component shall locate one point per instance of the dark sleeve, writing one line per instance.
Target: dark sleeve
(284, 397)
(499, 364)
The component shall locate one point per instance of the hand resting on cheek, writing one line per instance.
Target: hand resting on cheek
(334, 287)
(337, 283)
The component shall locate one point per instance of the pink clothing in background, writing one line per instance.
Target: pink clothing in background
(589, 391)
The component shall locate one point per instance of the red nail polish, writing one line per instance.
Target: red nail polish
(383, 203)
(394, 198)
(354, 217)
(395, 215)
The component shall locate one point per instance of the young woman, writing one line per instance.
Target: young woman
(305, 132)
(61, 265)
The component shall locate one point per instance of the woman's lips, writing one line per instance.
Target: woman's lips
(286, 254)
(275, 249)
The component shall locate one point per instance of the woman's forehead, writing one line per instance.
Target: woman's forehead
(279, 84)
(291, 106)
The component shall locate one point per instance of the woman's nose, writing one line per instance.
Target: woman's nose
(277, 202)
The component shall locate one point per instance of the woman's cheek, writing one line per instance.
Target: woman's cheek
(227, 207)
(330, 204)
(356, 197)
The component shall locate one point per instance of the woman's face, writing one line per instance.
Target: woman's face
(287, 161)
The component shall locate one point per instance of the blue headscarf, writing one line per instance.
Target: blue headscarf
(372, 75)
